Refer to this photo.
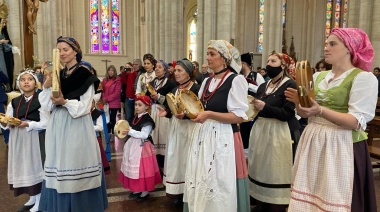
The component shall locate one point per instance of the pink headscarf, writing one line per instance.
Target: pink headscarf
(358, 44)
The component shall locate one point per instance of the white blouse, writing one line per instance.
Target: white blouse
(144, 78)
(363, 95)
(74, 107)
(237, 101)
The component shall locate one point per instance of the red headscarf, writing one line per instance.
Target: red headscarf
(288, 62)
(144, 99)
(358, 44)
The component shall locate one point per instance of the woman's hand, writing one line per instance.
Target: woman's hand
(23, 124)
(306, 112)
(259, 105)
(4, 41)
(154, 96)
(161, 111)
(201, 117)
(58, 101)
(291, 95)
(179, 115)
(48, 80)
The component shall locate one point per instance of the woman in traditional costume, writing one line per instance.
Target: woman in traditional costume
(332, 169)
(74, 178)
(216, 169)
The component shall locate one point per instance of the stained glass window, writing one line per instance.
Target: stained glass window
(193, 40)
(261, 26)
(105, 26)
(336, 15)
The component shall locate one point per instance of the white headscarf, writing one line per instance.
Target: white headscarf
(26, 72)
(228, 51)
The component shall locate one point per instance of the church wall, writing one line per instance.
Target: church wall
(161, 28)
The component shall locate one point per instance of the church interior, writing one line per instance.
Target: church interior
(115, 32)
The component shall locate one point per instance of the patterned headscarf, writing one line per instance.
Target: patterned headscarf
(86, 65)
(28, 71)
(358, 44)
(74, 44)
(228, 52)
(288, 62)
(144, 99)
(150, 57)
(165, 65)
(187, 65)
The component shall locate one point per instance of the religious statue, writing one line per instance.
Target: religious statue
(31, 13)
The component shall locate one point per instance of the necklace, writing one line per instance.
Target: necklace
(27, 109)
(72, 67)
(276, 83)
(134, 121)
(205, 96)
(156, 87)
(222, 71)
(184, 85)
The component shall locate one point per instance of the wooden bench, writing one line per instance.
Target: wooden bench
(373, 129)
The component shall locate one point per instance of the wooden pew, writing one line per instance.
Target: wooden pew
(373, 129)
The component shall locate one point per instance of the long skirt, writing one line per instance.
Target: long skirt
(270, 161)
(25, 173)
(105, 163)
(210, 173)
(323, 172)
(94, 200)
(148, 172)
(160, 134)
(177, 149)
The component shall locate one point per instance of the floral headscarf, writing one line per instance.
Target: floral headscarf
(228, 52)
(288, 62)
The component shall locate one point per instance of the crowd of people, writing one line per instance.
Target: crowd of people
(201, 160)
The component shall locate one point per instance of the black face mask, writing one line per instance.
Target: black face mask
(273, 71)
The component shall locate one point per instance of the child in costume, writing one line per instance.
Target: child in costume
(98, 125)
(139, 168)
(25, 158)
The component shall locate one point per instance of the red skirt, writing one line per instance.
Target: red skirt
(106, 165)
(149, 173)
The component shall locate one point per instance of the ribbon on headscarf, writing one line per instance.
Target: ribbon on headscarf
(74, 44)
(228, 52)
(359, 45)
(165, 65)
(187, 65)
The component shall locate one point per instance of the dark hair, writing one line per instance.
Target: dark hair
(377, 68)
(150, 57)
(170, 64)
(326, 65)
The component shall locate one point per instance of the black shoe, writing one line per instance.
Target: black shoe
(141, 199)
(25, 208)
(134, 195)
(178, 202)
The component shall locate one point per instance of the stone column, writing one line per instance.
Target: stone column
(225, 19)
(206, 27)
(272, 28)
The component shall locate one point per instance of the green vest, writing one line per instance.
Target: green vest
(336, 98)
